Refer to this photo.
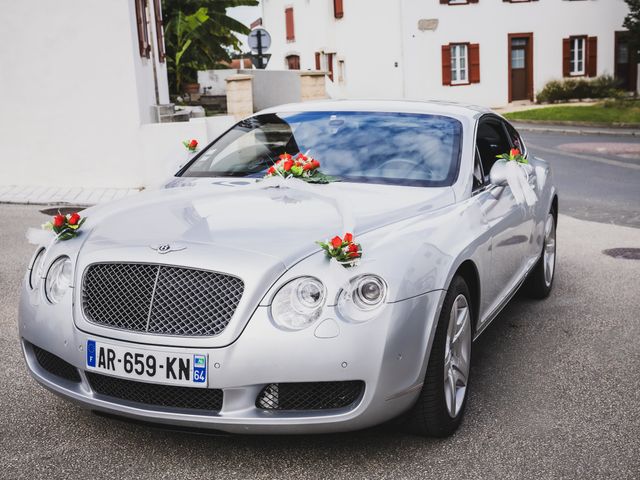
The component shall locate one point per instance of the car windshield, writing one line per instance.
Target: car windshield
(371, 147)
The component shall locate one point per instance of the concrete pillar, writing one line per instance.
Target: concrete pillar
(239, 96)
(312, 86)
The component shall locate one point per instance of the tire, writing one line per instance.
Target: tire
(540, 280)
(433, 415)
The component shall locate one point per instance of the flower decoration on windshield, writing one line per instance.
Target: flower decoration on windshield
(191, 145)
(344, 250)
(65, 227)
(514, 155)
(301, 166)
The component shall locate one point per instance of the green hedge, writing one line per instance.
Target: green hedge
(579, 88)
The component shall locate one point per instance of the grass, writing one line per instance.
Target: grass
(610, 112)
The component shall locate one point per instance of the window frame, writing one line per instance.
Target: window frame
(455, 64)
(573, 55)
(492, 118)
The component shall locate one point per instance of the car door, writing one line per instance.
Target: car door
(509, 223)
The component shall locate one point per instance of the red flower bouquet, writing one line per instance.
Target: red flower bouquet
(65, 227)
(344, 249)
(191, 145)
(514, 155)
(301, 166)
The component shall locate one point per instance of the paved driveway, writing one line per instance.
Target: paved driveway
(555, 394)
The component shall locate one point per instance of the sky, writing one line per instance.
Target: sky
(245, 15)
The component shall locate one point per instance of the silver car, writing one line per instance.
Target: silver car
(208, 303)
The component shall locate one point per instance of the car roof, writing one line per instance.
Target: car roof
(432, 107)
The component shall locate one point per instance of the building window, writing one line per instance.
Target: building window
(288, 16)
(459, 64)
(341, 72)
(580, 56)
(577, 56)
(338, 10)
(293, 62)
(143, 28)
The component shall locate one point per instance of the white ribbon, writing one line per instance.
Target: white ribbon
(518, 179)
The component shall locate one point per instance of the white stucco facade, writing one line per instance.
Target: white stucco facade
(385, 53)
(76, 97)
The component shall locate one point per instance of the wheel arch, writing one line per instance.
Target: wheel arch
(469, 272)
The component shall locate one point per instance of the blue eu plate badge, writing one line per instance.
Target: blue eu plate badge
(199, 368)
(91, 353)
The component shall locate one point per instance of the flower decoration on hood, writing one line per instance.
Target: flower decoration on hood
(514, 155)
(65, 227)
(301, 166)
(191, 145)
(344, 250)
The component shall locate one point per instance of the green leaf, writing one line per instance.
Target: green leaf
(320, 178)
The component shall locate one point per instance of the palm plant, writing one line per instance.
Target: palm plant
(199, 35)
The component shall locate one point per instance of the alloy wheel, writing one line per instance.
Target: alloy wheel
(457, 355)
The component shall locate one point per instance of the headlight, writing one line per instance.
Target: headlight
(35, 275)
(58, 279)
(298, 303)
(362, 299)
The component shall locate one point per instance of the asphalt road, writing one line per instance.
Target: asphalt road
(555, 392)
(598, 175)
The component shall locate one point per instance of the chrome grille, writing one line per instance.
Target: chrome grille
(159, 299)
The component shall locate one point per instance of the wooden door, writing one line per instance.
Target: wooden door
(520, 67)
(626, 70)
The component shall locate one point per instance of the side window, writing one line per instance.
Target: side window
(516, 140)
(491, 141)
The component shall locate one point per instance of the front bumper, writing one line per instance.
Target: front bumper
(387, 353)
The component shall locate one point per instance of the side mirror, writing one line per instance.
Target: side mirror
(498, 173)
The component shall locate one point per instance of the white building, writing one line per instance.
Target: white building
(78, 82)
(488, 52)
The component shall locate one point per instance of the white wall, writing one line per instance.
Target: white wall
(162, 152)
(73, 94)
(215, 80)
(375, 34)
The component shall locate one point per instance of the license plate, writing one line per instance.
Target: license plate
(170, 368)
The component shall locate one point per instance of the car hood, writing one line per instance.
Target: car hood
(237, 227)
(239, 217)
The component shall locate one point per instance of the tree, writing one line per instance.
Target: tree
(199, 35)
(632, 23)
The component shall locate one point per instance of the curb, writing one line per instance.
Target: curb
(574, 129)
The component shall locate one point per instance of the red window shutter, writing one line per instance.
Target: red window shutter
(288, 16)
(474, 63)
(566, 56)
(157, 8)
(143, 33)
(318, 66)
(446, 65)
(592, 57)
(330, 65)
(338, 10)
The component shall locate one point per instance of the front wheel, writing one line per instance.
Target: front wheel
(440, 407)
